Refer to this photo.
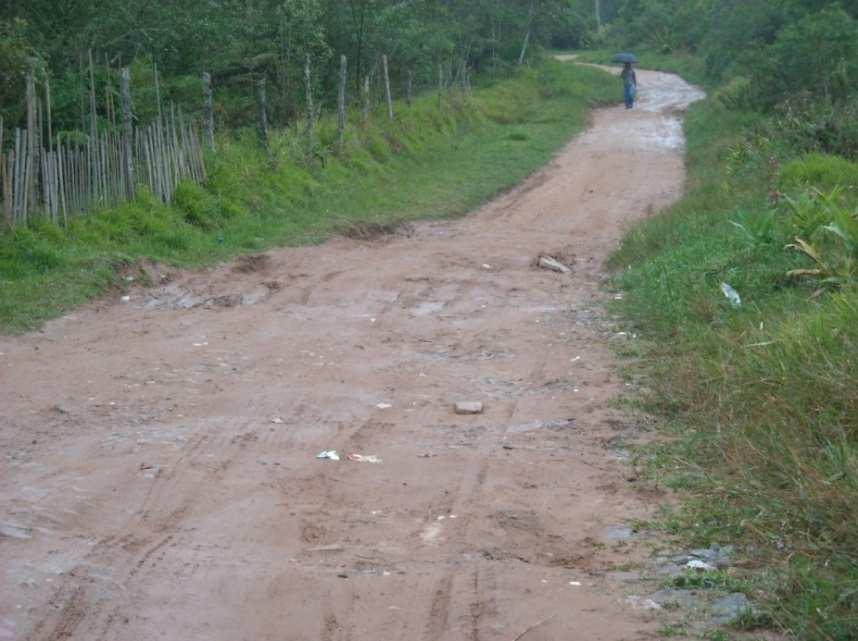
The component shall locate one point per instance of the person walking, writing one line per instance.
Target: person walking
(630, 85)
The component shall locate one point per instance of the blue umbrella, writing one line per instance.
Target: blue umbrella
(624, 58)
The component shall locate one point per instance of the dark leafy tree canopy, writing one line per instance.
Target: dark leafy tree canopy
(239, 40)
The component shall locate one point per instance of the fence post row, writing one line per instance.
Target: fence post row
(63, 177)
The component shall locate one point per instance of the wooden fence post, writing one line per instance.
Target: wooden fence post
(526, 42)
(208, 111)
(49, 115)
(158, 93)
(127, 131)
(82, 92)
(109, 105)
(93, 116)
(31, 165)
(409, 88)
(366, 101)
(311, 109)
(341, 102)
(263, 111)
(5, 180)
(387, 93)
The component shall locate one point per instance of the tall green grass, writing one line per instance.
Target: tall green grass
(434, 160)
(763, 397)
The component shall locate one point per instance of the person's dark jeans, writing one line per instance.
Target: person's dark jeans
(629, 91)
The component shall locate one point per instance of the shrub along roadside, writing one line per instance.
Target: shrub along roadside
(764, 397)
(431, 162)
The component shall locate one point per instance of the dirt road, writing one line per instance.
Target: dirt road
(159, 472)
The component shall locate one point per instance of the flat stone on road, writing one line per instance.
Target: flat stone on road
(469, 407)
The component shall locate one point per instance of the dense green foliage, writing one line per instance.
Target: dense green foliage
(239, 41)
(762, 396)
(435, 160)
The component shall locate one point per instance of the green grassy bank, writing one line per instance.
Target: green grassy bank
(435, 160)
(761, 399)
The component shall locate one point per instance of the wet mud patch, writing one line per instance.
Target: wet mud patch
(251, 264)
(175, 296)
(375, 231)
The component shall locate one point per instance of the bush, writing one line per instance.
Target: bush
(808, 124)
(825, 172)
(199, 206)
(735, 94)
(816, 56)
(826, 232)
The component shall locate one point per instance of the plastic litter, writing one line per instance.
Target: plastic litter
(330, 455)
(277, 420)
(126, 299)
(384, 406)
(703, 566)
(732, 295)
(150, 471)
(360, 458)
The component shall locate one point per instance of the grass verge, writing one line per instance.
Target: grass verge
(761, 398)
(434, 160)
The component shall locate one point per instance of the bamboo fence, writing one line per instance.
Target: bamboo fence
(59, 177)
(39, 178)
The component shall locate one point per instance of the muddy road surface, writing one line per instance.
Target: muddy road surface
(159, 471)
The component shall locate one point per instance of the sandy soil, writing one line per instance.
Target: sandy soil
(159, 471)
